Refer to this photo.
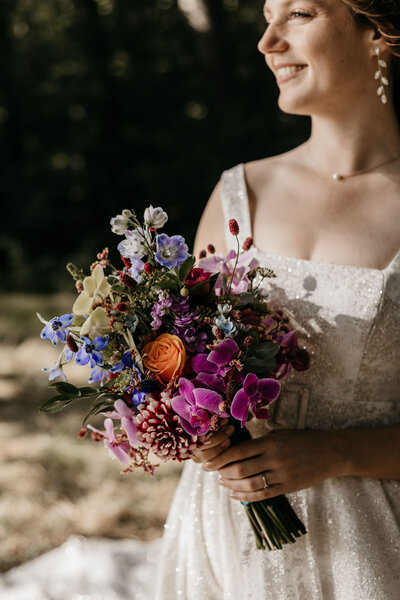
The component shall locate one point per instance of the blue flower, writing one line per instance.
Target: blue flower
(56, 329)
(132, 323)
(98, 374)
(225, 324)
(171, 251)
(136, 269)
(91, 351)
(126, 361)
(55, 371)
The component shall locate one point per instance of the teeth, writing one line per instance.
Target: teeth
(284, 71)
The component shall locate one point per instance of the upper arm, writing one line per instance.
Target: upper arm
(211, 228)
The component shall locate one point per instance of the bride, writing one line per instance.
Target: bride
(326, 218)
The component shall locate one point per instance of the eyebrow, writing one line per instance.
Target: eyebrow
(267, 11)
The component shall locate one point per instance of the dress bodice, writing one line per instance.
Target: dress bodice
(348, 318)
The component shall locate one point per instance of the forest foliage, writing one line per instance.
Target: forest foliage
(108, 104)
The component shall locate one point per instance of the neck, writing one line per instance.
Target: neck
(354, 142)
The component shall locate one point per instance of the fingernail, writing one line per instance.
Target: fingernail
(207, 465)
(221, 480)
(207, 443)
(233, 495)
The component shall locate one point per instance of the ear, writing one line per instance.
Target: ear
(375, 39)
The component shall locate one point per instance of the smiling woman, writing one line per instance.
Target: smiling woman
(327, 212)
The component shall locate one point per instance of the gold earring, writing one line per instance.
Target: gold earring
(379, 75)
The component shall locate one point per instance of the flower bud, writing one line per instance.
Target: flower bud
(202, 254)
(247, 244)
(184, 292)
(148, 268)
(233, 227)
(211, 248)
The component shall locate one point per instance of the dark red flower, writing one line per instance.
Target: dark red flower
(248, 316)
(126, 261)
(71, 343)
(122, 306)
(233, 227)
(211, 248)
(247, 244)
(82, 433)
(148, 268)
(196, 276)
(128, 281)
(202, 254)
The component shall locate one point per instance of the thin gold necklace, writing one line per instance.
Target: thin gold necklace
(341, 177)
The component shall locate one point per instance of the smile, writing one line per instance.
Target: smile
(287, 72)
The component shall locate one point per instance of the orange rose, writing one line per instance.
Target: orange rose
(165, 356)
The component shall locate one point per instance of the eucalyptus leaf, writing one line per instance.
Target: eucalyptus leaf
(65, 388)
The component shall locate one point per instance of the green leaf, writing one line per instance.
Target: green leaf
(65, 388)
(117, 288)
(263, 351)
(259, 367)
(185, 267)
(56, 403)
(87, 391)
(96, 409)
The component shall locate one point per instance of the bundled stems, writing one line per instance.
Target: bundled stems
(273, 521)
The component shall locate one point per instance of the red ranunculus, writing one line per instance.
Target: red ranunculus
(196, 276)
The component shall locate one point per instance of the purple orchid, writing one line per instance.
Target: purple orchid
(171, 251)
(224, 266)
(257, 393)
(211, 368)
(56, 329)
(194, 405)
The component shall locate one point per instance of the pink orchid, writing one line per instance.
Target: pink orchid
(224, 266)
(115, 443)
(127, 415)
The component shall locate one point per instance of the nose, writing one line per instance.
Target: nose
(272, 41)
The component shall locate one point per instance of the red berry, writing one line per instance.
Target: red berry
(233, 227)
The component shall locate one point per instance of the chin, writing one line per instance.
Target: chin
(295, 106)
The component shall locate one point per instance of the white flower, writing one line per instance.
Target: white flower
(95, 289)
(134, 244)
(98, 324)
(120, 223)
(155, 217)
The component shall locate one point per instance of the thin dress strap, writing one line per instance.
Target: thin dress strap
(235, 204)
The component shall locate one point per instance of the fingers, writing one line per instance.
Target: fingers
(239, 452)
(214, 445)
(271, 492)
(255, 483)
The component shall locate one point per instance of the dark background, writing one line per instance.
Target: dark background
(110, 104)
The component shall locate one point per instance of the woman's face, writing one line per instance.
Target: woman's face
(321, 59)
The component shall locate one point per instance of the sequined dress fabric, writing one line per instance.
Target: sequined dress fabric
(349, 320)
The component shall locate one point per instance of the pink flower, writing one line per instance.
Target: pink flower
(196, 407)
(116, 444)
(224, 266)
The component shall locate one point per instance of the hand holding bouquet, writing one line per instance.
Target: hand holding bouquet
(174, 350)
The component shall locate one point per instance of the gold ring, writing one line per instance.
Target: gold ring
(266, 486)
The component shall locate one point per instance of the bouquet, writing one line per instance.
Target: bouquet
(174, 350)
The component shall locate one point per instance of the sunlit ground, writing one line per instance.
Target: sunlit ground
(52, 484)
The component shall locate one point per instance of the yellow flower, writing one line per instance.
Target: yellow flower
(97, 324)
(95, 289)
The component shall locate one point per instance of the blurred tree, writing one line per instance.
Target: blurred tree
(107, 104)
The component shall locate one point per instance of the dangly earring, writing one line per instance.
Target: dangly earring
(379, 75)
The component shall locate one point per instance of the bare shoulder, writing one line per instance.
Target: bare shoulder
(282, 170)
(211, 226)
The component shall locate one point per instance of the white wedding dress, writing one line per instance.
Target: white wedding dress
(349, 319)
